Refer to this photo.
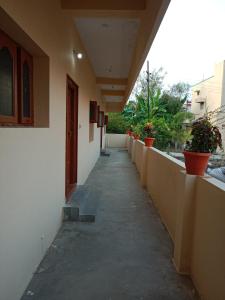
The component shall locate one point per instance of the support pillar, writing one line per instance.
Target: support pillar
(185, 220)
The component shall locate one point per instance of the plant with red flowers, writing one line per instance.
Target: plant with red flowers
(149, 130)
(149, 133)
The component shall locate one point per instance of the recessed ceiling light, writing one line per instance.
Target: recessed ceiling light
(78, 55)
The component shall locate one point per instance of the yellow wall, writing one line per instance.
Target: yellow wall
(193, 209)
(32, 160)
(162, 173)
(208, 259)
(139, 146)
(116, 140)
(213, 90)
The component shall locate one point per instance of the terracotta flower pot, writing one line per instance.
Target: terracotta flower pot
(196, 163)
(149, 142)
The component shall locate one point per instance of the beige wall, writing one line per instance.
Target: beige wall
(208, 259)
(32, 160)
(192, 209)
(162, 174)
(116, 140)
(213, 90)
(138, 155)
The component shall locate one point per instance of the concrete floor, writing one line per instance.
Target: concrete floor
(125, 254)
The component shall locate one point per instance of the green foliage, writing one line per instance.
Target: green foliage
(167, 113)
(205, 137)
(179, 134)
(179, 91)
(138, 129)
(155, 83)
(163, 136)
(171, 104)
(129, 111)
(118, 123)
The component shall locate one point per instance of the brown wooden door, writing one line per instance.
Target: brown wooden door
(71, 136)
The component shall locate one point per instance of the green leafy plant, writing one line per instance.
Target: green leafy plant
(131, 128)
(206, 138)
(163, 133)
(137, 130)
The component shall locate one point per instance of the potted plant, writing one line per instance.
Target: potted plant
(129, 130)
(206, 138)
(137, 132)
(149, 134)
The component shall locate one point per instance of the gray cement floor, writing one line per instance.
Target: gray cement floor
(125, 255)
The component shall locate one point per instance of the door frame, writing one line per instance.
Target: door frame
(69, 188)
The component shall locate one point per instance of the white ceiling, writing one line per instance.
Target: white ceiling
(113, 87)
(113, 98)
(109, 43)
(116, 36)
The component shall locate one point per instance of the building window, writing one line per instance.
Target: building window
(16, 83)
(93, 112)
(26, 87)
(201, 105)
(101, 119)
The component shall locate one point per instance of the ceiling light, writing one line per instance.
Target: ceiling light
(78, 55)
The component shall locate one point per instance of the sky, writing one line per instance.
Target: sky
(190, 40)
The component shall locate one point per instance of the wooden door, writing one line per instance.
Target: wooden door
(71, 136)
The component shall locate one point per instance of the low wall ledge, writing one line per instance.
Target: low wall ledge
(167, 156)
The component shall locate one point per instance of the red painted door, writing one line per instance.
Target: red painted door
(71, 136)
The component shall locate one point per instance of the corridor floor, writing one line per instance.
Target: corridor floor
(126, 254)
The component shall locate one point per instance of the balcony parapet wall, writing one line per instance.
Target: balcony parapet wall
(114, 140)
(192, 208)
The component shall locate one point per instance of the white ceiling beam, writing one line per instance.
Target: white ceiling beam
(112, 92)
(111, 81)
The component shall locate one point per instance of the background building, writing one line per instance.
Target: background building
(209, 95)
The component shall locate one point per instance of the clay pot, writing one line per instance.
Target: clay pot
(196, 162)
(149, 142)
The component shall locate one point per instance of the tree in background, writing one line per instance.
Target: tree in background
(138, 108)
(117, 123)
(156, 82)
(167, 111)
